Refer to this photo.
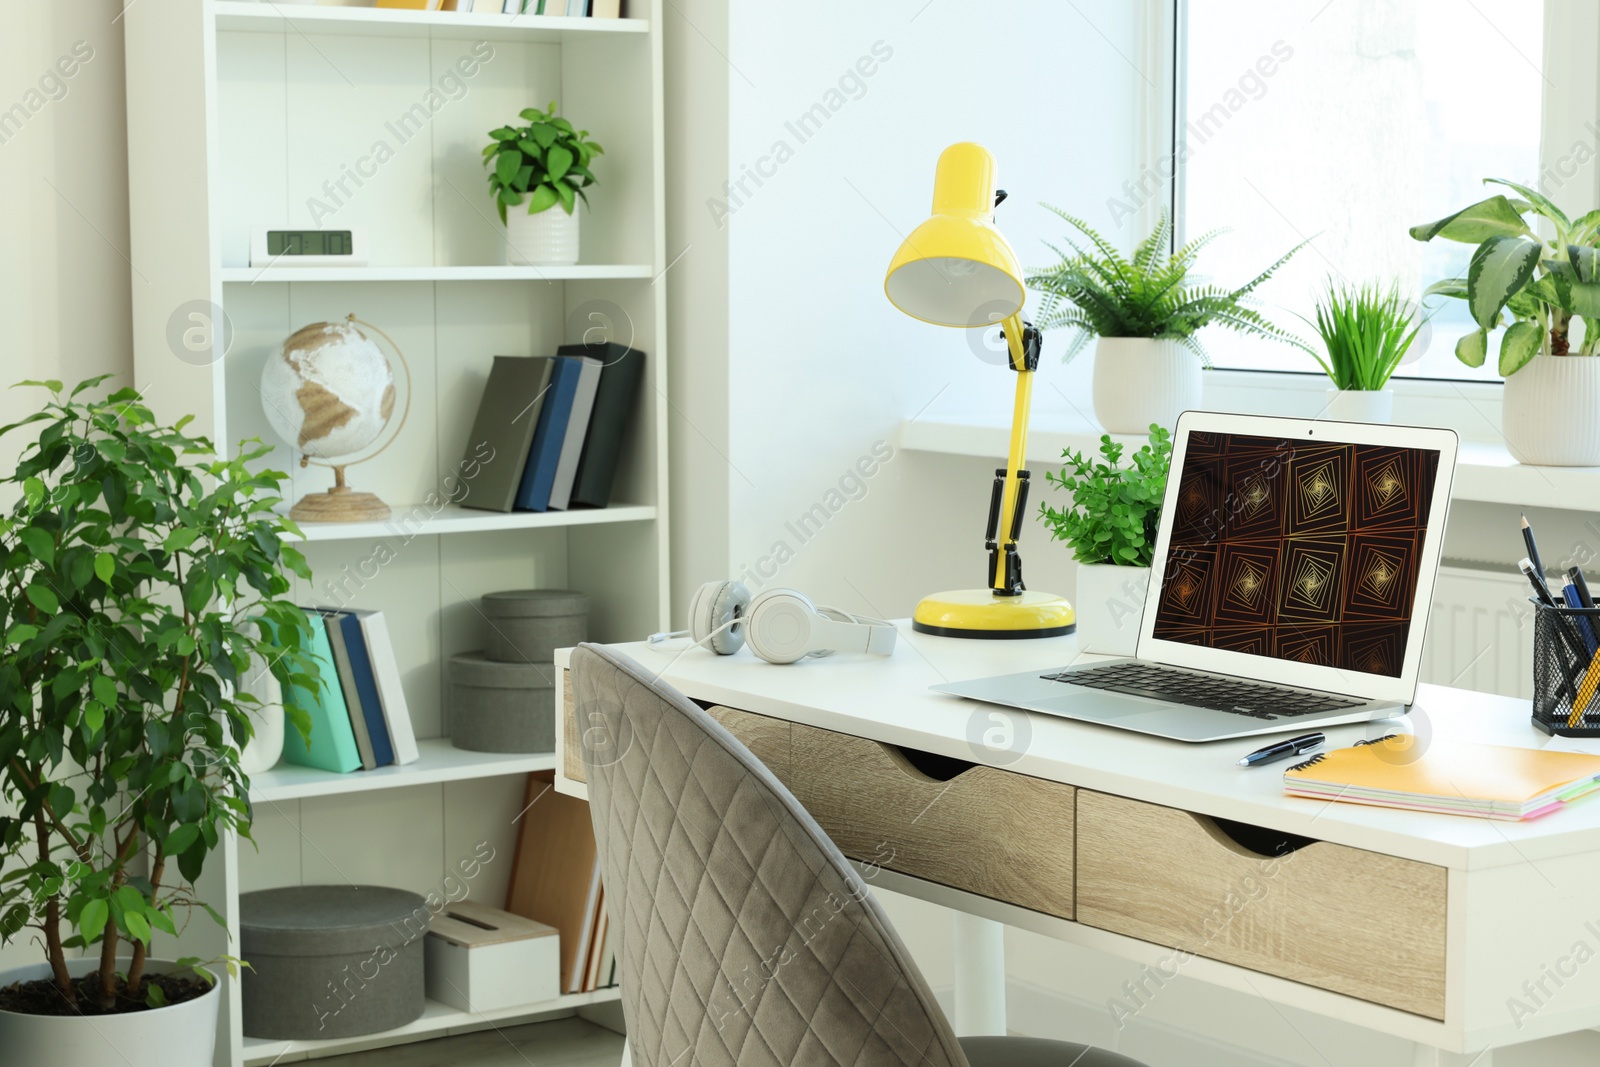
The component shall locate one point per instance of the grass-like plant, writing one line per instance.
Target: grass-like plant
(545, 162)
(1115, 508)
(1367, 330)
(1099, 292)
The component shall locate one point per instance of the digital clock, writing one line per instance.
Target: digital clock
(307, 248)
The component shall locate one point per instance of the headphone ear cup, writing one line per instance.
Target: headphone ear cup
(779, 626)
(713, 606)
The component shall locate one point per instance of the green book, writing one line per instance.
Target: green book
(333, 742)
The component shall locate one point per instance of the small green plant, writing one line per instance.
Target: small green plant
(1543, 285)
(1101, 293)
(140, 576)
(546, 162)
(1366, 330)
(1115, 508)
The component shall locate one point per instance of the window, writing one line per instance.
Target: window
(1347, 122)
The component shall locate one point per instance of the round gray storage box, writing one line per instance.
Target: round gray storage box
(331, 960)
(502, 707)
(528, 625)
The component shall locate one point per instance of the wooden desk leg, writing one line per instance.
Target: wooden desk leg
(1428, 1056)
(980, 979)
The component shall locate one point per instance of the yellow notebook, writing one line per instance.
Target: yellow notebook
(1429, 774)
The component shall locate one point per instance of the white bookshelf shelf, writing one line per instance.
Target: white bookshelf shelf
(440, 761)
(437, 1020)
(421, 520)
(578, 273)
(1485, 471)
(265, 17)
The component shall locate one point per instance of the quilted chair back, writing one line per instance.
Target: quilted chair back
(745, 937)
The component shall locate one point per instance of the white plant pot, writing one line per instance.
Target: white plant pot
(266, 747)
(1551, 412)
(1110, 606)
(1138, 381)
(183, 1035)
(1358, 405)
(548, 238)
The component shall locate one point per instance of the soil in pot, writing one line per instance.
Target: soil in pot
(41, 997)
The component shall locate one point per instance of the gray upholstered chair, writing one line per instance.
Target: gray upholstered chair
(745, 936)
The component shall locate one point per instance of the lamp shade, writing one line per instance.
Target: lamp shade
(956, 269)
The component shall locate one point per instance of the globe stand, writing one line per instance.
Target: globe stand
(340, 504)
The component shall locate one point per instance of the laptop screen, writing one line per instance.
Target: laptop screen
(1298, 551)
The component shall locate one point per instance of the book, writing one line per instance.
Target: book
(621, 372)
(1454, 777)
(555, 872)
(605, 9)
(502, 433)
(332, 746)
(391, 696)
(371, 709)
(539, 473)
(577, 432)
(347, 685)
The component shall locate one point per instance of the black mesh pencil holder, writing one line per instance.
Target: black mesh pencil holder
(1566, 670)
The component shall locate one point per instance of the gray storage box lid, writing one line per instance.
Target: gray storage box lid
(328, 920)
(535, 603)
(480, 672)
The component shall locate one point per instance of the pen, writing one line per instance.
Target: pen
(1536, 579)
(1575, 576)
(1574, 599)
(1533, 546)
(1283, 750)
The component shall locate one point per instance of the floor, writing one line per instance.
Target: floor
(563, 1043)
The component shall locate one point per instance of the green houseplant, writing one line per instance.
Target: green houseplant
(1540, 289)
(1146, 312)
(141, 575)
(543, 165)
(1366, 331)
(1111, 528)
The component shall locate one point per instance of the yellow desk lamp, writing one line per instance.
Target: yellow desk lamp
(957, 270)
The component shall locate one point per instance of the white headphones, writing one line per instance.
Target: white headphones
(780, 625)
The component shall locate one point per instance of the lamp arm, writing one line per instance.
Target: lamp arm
(1010, 495)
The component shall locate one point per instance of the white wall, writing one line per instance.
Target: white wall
(64, 295)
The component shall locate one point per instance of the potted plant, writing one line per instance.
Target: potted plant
(1111, 528)
(1366, 331)
(1145, 313)
(535, 169)
(141, 574)
(1544, 286)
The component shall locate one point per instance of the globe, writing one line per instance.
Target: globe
(329, 391)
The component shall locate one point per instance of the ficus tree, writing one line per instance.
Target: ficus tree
(140, 576)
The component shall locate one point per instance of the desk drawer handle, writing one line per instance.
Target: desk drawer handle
(1244, 839)
(931, 765)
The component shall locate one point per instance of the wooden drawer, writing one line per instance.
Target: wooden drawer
(768, 738)
(1356, 922)
(987, 831)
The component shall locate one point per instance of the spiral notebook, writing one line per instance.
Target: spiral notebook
(1458, 778)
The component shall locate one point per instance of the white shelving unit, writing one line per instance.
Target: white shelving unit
(245, 114)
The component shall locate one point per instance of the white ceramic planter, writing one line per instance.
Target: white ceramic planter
(1551, 412)
(1110, 606)
(548, 238)
(266, 747)
(1138, 381)
(183, 1035)
(1358, 405)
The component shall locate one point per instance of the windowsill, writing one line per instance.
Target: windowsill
(1485, 471)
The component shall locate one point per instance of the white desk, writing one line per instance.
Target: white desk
(1515, 898)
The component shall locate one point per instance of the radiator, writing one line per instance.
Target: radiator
(1480, 635)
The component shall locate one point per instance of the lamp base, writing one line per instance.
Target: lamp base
(979, 613)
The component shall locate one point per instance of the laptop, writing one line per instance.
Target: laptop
(1294, 565)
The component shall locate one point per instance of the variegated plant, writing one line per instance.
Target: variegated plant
(1543, 285)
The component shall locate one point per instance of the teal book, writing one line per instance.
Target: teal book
(333, 742)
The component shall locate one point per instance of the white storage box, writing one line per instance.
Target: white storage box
(480, 958)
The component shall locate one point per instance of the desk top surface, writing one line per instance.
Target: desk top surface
(889, 700)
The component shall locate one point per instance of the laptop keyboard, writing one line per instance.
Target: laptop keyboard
(1233, 695)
